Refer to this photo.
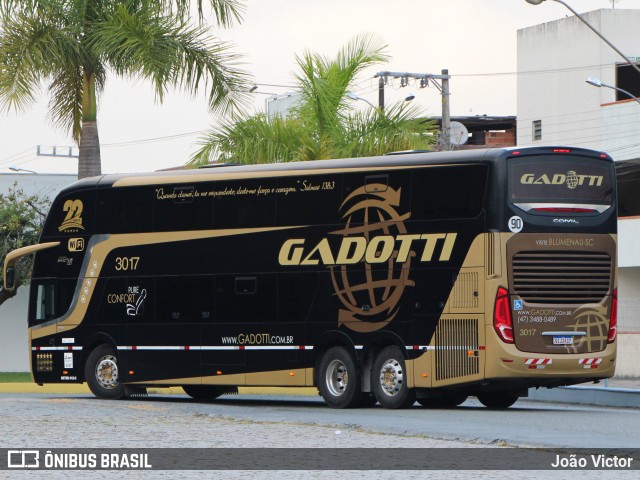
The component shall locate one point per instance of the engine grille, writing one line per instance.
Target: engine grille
(561, 277)
(454, 338)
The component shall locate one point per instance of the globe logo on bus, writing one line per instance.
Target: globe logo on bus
(370, 292)
(591, 320)
(572, 179)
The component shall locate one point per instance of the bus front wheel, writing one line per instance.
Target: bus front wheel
(389, 379)
(101, 373)
(338, 379)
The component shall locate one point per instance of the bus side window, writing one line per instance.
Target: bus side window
(45, 304)
(124, 210)
(53, 299)
(246, 285)
(376, 183)
(448, 192)
(185, 208)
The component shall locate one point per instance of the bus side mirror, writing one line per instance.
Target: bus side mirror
(10, 279)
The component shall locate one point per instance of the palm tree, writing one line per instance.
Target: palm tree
(71, 46)
(324, 124)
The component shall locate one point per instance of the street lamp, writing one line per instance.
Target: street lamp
(598, 83)
(353, 96)
(538, 2)
(17, 169)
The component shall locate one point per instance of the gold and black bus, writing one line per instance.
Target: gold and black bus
(425, 276)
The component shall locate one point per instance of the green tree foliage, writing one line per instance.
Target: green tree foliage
(21, 219)
(71, 46)
(325, 124)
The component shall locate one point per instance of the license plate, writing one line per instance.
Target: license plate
(563, 340)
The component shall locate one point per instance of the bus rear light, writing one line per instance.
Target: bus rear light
(564, 210)
(502, 321)
(613, 321)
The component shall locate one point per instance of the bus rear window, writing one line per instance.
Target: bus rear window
(560, 180)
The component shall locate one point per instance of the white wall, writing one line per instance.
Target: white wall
(14, 353)
(42, 184)
(14, 347)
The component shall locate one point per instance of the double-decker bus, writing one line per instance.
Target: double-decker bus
(426, 276)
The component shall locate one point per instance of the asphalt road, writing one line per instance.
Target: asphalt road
(251, 421)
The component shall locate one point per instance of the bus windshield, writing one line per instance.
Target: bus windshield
(560, 180)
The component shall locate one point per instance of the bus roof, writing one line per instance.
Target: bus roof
(396, 160)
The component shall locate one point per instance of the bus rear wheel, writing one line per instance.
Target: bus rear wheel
(497, 400)
(389, 379)
(101, 373)
(203, 392)
(338, 379)
(446, 401)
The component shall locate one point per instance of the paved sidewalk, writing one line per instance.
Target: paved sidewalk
(613, 392)
(616, 382)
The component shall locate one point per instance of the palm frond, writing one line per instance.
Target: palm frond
(324, 82)
(154, 47)
(397, 128)
(30, 51)
(254, 139)
(65, 106)
(226, 12)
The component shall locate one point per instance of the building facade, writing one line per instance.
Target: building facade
(556, 106)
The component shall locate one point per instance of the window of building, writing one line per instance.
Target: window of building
(536, 130)
(627, 78)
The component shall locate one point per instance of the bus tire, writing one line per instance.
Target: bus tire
(446, 401)
(389, 379)
(203, 392)
(497, 400)
(101, 373)
(338, 379)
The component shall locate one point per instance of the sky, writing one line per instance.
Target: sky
(474, 39)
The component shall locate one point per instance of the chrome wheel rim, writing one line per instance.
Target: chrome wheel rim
(337, 378)
(107, 372)
(391, 377)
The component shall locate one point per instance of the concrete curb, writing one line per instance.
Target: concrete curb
(606, 397)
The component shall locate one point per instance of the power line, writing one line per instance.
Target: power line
(11, 158)
(152, 140)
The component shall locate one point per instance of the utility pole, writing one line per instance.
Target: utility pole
(443, 87)
(381, 82)
(445, 128)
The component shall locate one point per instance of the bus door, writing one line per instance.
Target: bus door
(164, 333)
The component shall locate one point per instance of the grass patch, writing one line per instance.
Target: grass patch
(15, 377)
